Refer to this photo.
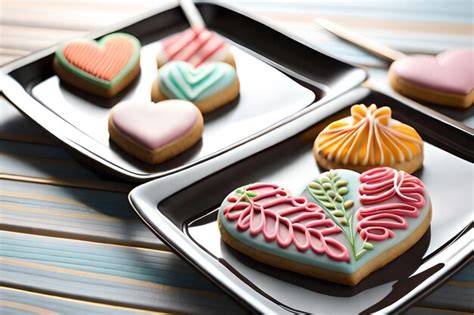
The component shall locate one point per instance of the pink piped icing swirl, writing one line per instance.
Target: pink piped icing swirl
(286, 220)
(195, 45)
(378, 186)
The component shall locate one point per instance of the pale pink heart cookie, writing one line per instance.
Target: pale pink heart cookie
(447, 79)
(155, 132)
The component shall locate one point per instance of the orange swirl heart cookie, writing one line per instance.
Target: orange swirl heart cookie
(103, 68)
(367, 139)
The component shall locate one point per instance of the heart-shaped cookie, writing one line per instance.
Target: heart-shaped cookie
(446, 79)
(195, 45)
(155, 132)
(208, 86)
(104, 67)
(344, 226)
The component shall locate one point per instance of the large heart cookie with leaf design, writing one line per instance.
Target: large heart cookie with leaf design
(104, 67)
(208, 86)
(343, 226)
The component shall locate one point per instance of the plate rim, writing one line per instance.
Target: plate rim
(451, 255)
(65, 132)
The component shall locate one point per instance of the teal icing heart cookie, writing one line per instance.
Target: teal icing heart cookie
(343, 226)
(208, 86)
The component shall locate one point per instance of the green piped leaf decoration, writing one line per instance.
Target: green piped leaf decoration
(250, 194)
(331, 192)
(348, 204)
(246, 194)
(360, 254)
(324, 197)
(368, 246)
(327, 186)
(341, 183)
(343, 191)
(329, 205)
(315, 186)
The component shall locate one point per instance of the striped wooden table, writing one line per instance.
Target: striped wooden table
(69, 241)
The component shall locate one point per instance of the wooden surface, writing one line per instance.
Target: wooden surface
(69, 241)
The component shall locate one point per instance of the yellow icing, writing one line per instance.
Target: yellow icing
(369, 137)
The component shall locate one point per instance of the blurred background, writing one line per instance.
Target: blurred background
(411, 26)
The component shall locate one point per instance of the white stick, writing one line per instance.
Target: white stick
(192, 13)
(369, 45)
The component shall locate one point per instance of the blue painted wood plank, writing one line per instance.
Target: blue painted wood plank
(13, 301)
(117, 275)
(94, 215)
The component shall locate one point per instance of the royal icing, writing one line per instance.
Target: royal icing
(155, 125)
(270, 210)
(357, 217)
(451, 71)
(181, 80)
(104, 62)
(194, 45)
(369, 137)
(378, 185)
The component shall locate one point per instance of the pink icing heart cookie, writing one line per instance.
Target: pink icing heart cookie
(195, 46)
(343, 226)
(155, 132)
(447, 79)
(104, 67)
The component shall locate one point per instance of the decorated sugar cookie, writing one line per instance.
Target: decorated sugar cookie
(343, 227)
(446, 79)
(208, 86)
(104, 67)
(196, 46)
(153, 132)
(367, 139)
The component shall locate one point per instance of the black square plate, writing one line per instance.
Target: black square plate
(182, 209)
(279, 77)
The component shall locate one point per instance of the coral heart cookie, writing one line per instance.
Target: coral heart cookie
(447, 79)
(196, 46)
(344, 226)
(367, 139)
(155, 132)
(104, 67)
(209, 86)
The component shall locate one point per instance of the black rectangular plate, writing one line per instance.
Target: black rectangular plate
(279, 77)
(181, 209)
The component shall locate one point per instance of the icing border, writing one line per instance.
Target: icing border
(135, 57)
